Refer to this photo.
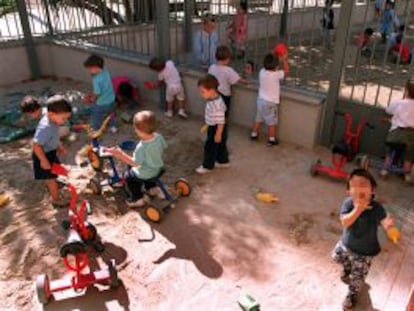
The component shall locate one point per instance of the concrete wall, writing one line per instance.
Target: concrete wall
(14, 66)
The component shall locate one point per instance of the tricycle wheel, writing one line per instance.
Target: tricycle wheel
(43, 289)
(114, 281)
(183, 187)
(154, 213)
(95, 185)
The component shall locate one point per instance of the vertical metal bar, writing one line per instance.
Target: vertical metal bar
(28, 40)
(188, 21)
(336, 70)
(49, 22)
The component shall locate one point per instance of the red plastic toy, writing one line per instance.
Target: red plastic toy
(342, 152)
(280, 50)
(149, 85)
(73, 252)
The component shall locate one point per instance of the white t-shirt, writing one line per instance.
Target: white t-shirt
(170, 75)
(226, 77)
(402, 112)
(269, 84)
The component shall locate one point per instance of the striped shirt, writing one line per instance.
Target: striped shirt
(214, 112)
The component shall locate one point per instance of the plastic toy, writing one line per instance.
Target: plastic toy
(248, 303)
(74, 254)
(4, 199)
(280, 50)
(342, 152)
(393, 234)
(267, 197)
(150, 85)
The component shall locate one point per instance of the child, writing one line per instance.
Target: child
(360, 217)
(400, 51)
(103, 97)
(168, 73)
(238, 31)
(378, 8)
(205, 42)
(402, 129)
(147, 159)
(225, 75)
(363, 42)
(30, 106)
(215, 148)
(327, 22)
(47, 146)
(248, 70)
(269, 97)
(125, 92)
(387, 20)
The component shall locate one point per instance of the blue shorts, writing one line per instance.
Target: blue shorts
(267, 112)
(39, 172)
(99, 113)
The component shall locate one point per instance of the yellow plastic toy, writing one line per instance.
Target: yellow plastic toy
(267, 197)
(393, 234)
(4, 199)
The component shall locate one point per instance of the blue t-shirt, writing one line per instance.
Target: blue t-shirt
(47, 134)
(149, 156)
(361, 237)
(102, 88)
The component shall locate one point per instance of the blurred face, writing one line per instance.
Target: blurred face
(207, 94)
(248, 69)
(59, 118)
(209, 26)
(360, 189)
(93, 70)
(35, 114)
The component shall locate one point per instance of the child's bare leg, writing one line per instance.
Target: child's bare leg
(169, 112)
(255, 130)
(53, 188)
(181, 109)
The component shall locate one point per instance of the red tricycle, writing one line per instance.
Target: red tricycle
(342, 152)
(73, 252)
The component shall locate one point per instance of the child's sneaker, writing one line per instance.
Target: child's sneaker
(182, 114)
(113, 129)
(135, 203)
(408, 178)
(222, 165)
(168, 114)
(202, 170)
(156, 191)
(272, 142)
(349, 302)
(254, 136)
(384, 173)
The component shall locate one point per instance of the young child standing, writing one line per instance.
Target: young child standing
(360, 217)
(205, 42)
(215, 148)
(225, 75)
(238, 31)
(327, 23)
(168, 73)
(102, 97)
(269, 97)
(47, 146)
(387, 20)
(402, 129)
(147, 159)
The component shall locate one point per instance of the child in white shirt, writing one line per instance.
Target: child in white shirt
(168, 73)
(269, 97)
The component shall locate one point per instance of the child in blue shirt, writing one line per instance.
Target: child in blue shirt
(387, 20)
(47, 146)
(102, 97)
(146, 161)
(205, 43)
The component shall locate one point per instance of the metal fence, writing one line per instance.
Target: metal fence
(141, 27)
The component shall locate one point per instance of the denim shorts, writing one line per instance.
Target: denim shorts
(267, 112)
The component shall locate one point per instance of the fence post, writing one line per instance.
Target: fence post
(45, 4)
(188, 20)
(28, 40)
(342, 35)
(162, 9)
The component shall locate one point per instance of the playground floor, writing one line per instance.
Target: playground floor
(215, 245)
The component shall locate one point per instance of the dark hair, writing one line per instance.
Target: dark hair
(94, 60)
(243, 5)
(223, 53)
(270, 62)
(208, 17)
(145, 121)
(399, 38)
(125, 89)
(58, 104)
(369, 31)
(209, 82)
(157, 64)
(410, 87)
(401, 28)
(361, 172)
(29, 104)
(251, 63)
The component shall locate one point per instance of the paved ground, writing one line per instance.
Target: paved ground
(217, 244)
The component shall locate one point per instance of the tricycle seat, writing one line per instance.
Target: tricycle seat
(73, 245)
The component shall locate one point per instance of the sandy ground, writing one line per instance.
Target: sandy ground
(215, 245)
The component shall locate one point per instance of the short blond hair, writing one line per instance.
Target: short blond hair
(145, 121)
